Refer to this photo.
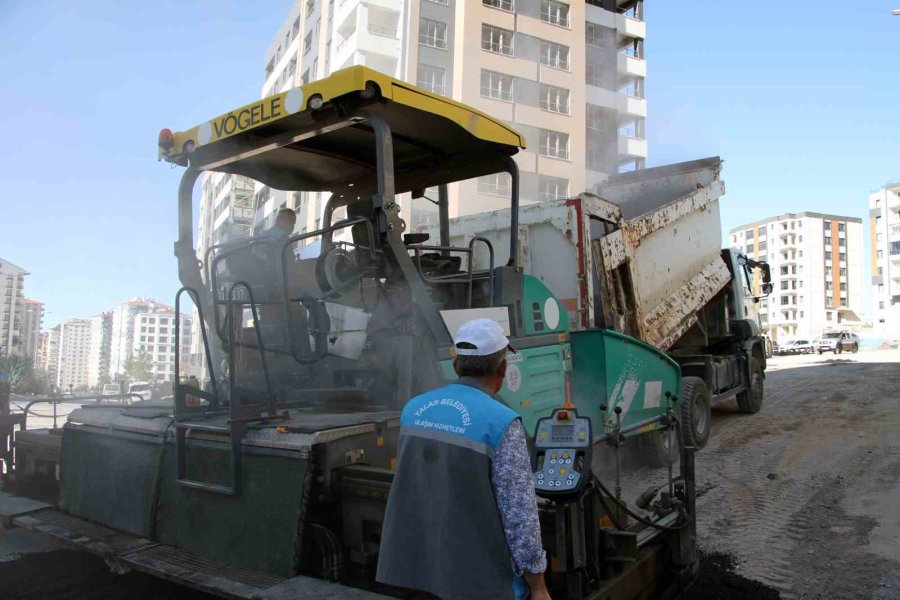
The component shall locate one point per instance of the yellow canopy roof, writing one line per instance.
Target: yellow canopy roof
(286, 142)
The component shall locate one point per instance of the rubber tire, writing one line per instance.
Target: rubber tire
(660, 448)
(855, 348)
(750, 401)
(695, 397)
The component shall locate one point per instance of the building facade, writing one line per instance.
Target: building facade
(12, 300)
(568, 75)
(154, 336)
(32, 319)
(817, 272)
(48, 353)
(99, 354)
(884, 230)
(74, 354)
(122, 332)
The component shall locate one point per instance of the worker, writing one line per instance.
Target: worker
(461, 520)
(285, 221)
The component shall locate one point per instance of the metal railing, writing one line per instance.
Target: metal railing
(27, 410)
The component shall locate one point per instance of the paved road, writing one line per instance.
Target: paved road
(806, 494)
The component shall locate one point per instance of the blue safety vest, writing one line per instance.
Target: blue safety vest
(442, 532)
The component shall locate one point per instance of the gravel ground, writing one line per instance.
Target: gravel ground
(802, 499)
(805, 495)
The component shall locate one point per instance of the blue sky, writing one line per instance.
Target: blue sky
(801, 100)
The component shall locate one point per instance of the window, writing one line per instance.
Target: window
(784, 301)
(304, 79)
(433, 33)
(552, 188)
(826, 225)
(881, 254)
(828, 255)
(307, 43)
(501, 4)
(843, 271)
(878, 237)
(555, 12)
(842, 227)
(843, 287)
(310, 6)
(431, 78)
(593, 35)
(555, 55)
(554, 144)
(762, 245)
(554, 99)
(829, 316)
(827, 241)
(496, 85)
(444, 2)
(595, 118)
(829, 286)
(842, 256)
(843, 302)
(785, 285)
(592, 74)
(498, 184)
(494, 39)
(881, 304)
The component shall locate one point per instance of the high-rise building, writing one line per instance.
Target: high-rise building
(817, 272)
(31, 320)
(884, 228)
(12, 299)
(48, 353)
(101, 342)
(122, 334)
(74, 353)
(568, 75)
(154, 335)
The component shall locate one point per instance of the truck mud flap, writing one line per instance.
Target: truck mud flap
(123, 551)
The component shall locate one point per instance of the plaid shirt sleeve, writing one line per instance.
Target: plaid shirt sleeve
(513, 484)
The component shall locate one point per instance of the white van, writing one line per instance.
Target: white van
(142, 389)
(111, 389)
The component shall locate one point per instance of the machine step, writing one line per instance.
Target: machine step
(124, 551)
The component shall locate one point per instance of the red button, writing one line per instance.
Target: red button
(562, 415)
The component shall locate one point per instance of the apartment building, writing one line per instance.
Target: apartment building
(12, 299)
(31, 320)
(884, 230)
(568, 75)
(99, 353)
(74, 354)
(122, 332)
(48, 353)
(817, 272)
(154, 335)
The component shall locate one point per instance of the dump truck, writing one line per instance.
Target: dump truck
(271, 481)
(643, 257)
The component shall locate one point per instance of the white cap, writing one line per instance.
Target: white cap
(485, 334)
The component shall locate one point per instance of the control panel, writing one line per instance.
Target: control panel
(562, 448)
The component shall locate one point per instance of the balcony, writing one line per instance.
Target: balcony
(631, 105)
(632, 146)
(631, 65)
(628, 25)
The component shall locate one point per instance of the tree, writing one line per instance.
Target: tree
(139, 367)
(20, 371)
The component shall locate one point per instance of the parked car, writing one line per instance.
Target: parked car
(837, 342)
(796, 347)
(111, 389)
(142, 389)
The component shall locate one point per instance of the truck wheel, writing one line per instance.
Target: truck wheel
(660, 448)
(750, 400)
(695, 412)
(855, 348)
